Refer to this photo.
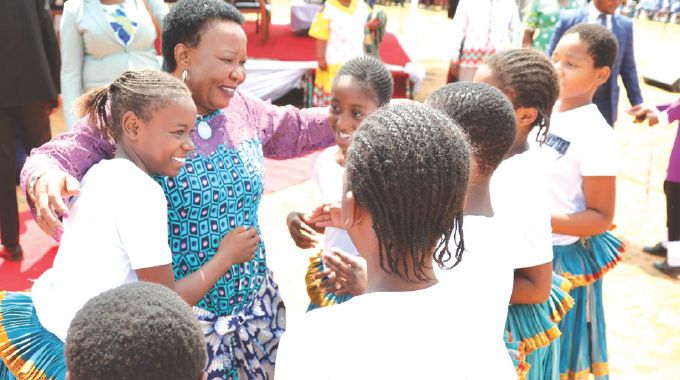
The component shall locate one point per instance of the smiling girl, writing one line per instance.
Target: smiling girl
(116, 230)
(362, 86)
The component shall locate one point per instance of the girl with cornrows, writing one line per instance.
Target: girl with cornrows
(218, 190)
(407, 172)
(116, 230)
(362, 85)
(518, 187)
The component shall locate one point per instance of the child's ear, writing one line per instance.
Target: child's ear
(603, 74)
(526, 116)
(352, 213)
(202, 376)
(130, 125)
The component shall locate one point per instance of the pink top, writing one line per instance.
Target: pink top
(673, 112)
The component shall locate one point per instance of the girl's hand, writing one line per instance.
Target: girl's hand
(642, 112)
(327, 215)
(239, 245)
(47, 193)
(302, 233)
(347, 270)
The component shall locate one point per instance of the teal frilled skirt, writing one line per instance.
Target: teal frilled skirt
(319, 296)
(583, 346)
(535, 326)
(28, 351)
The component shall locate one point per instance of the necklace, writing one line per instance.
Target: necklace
(203, 128)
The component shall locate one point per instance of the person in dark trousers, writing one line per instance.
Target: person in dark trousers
(29, 86)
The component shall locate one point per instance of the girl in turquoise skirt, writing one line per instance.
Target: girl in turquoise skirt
(582, 156)
(116, 230)
(519, 195)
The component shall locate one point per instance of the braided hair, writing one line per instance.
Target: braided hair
(372, 74)
(140, 91)
(484, 114)
(528, 78)
(408, 165)
(136, 331)
(187, 20)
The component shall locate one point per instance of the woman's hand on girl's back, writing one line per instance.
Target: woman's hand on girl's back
(47, 194)
(239, 245)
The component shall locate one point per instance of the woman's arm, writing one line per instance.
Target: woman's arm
(288, 132)
(54, 169)
(72, 55)
(600, 199)
(532, 284)
(237, 246)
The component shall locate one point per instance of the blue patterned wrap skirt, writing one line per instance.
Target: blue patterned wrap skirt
(244, 345)
(583, 346)
(28, 351)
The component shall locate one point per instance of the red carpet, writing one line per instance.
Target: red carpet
(285, 45)
(39, 251)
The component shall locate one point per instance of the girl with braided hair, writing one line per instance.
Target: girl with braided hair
(529, 80)
(362, 85)
(406, 176)
(116, 230)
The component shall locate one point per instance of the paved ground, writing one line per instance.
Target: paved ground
(642, 305)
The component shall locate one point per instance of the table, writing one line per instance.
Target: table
(302, 14)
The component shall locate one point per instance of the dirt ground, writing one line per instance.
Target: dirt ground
(642, 305)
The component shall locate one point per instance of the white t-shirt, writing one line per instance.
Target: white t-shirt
(486, 273)
(520, 197)
(580, 144)
(327, 174)
(117, 224)
(447, 331)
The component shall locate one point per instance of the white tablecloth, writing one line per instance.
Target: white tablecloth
(302, 14)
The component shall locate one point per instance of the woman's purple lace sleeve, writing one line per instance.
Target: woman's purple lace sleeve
(288, 132)
(673, 110)
(73, 152)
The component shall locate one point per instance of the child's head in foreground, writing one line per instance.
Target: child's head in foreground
(531, 83)
(136, 331)
(583, 58)
(362, 85)
(485, 115)
(149, 114)
(406, 178)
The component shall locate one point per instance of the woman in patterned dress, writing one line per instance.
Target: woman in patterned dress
(219, 188)
(540, 19)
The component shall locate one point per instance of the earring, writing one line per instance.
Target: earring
(185, 75)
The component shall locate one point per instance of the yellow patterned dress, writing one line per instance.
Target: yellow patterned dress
(342, 27)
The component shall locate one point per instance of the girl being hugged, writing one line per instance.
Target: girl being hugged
(582, 155)
(116, 229)
(362, 85)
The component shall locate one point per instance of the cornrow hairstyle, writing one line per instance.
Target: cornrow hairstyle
(530, 81)
(484, 114)
(136, 331)
(408, 165)
(186, 22)
(140, 91)
(602, 44)
(372, 74)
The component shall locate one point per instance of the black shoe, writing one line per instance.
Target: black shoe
(12, 253)
(667, 269)
(656, 250)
